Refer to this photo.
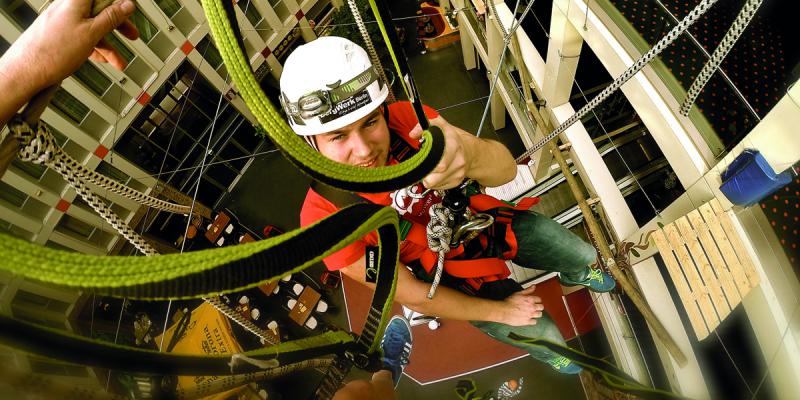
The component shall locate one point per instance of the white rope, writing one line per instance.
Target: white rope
(670, 37)
(725, 45)
(440, 233)
(39, 147)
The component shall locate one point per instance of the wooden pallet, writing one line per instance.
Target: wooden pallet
(708, 263)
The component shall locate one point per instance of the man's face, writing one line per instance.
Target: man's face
(364, 143)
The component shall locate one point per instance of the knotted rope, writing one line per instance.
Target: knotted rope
(37, 145)
(440, 234)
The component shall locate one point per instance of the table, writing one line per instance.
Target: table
(217, 227)
(306, 303)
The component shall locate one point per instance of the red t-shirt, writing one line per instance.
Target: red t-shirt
(401, 121)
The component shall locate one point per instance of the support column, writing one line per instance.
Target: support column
(494, 42)
(563, 51)
(468, 51)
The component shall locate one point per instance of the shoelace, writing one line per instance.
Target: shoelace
(595, 275)
(390, 345)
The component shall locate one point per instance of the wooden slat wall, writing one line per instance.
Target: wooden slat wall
(708, 263)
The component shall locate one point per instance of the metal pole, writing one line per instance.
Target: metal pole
(605, 253)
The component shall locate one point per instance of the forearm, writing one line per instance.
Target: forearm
(17, 84)
(446, 303)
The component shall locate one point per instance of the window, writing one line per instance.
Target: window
(33, 301)
(123, 50)
(146, 28)
(250, 12)
(72, 225)
(112, 172)
(93, 79)
(70, 106)
(35, 171)
(210, 52)
(19, 11)
(280, 9)
(3, 46)
(170, 7)
(57, 246)
(12, 195)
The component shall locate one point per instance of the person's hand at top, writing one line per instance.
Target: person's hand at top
(63, 37)
(56, 44)
(467, 156)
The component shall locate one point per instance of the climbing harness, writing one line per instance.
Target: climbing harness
(725, 45)
(637, 66)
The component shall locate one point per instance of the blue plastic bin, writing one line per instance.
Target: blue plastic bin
(749, 179)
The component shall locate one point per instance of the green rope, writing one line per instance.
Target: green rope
(612, 375)
(62, 345)
(199, 273)
(344, 176)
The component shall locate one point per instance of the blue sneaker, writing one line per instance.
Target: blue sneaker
(596, 281)
(396, 346)
(564, 365)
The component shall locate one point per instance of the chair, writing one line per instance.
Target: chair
(322, 306)
(272, 325)
(277, 289)
(291, 303)
(311, 323)
(298, 288)
(287, 278)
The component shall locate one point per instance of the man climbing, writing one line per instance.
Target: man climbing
(334, 99)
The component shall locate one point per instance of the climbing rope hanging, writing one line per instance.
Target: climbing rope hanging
(373, 55)
(637, 66)
(725, 45)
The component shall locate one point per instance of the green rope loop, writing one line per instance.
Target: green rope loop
(343, 176)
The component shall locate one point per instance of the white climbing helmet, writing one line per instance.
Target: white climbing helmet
(327, 84)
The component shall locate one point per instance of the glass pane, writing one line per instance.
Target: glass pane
(33, 300)
(12, 195)
(170, 7)
(70, 106)
(19, 11)
(75, 226)
(112, 172)
(280, 9)
(93, 79)
(57, 246)
(146, 28)
(34, 170)
(3, 46)
(250, 11)
(210, 52)
(123, 50)
(60, 138)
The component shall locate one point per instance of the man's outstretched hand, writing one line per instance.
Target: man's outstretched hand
(522, 308)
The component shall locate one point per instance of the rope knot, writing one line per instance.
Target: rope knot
(36, 143)
(440, 232)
